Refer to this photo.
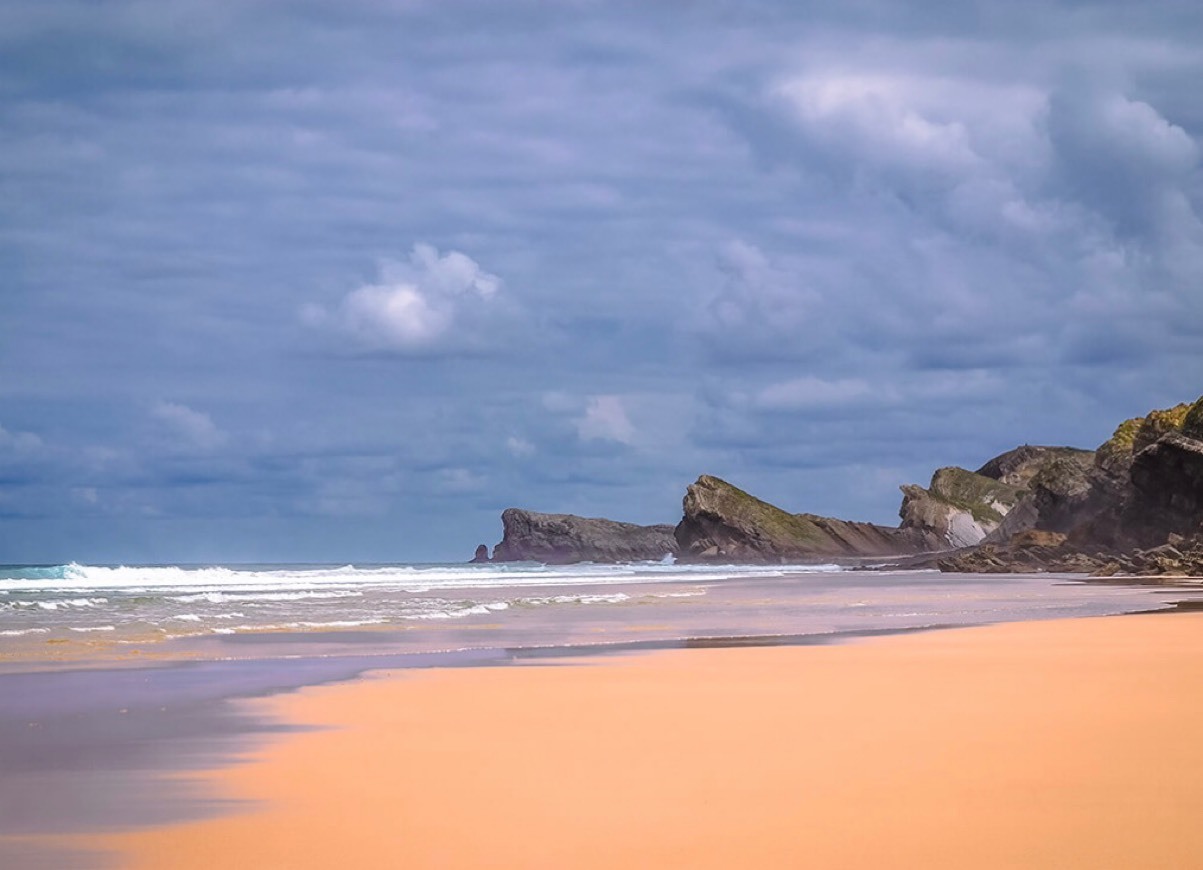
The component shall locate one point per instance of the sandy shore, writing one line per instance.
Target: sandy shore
(1058, 744)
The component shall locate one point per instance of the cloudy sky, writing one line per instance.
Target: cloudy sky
(302, 280)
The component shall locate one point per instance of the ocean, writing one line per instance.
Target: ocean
(448, 607)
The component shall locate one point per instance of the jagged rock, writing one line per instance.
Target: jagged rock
(564, 538)
(958, 509)
(724, 523)
(1037, 538)
(1115, 455)
(1017, 467)
(482, 555)
(1029, 551)
(1167, 477)
(1136, 509)
(1060, 492)
(1192, 423)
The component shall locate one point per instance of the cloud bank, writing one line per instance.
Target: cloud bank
(819, 250)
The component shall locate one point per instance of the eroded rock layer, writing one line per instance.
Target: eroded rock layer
(564, 538)
(722, 523)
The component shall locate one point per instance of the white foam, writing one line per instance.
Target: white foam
(286, 626)
(459, 612)
(60, 602)
(615, 598)
(216, 597)
(162, 580)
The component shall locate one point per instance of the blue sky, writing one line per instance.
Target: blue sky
(316, 281)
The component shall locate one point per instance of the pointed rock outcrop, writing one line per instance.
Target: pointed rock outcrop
(722, 523)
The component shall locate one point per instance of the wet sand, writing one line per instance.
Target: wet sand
(1056, 744)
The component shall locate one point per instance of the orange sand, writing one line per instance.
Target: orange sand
(1063, 744)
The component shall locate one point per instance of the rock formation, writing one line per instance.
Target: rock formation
(961, 508)
(722, 523)
(958, 509)
(1049, 551)
(1058, 490)
(563, 538)
(1135, 505)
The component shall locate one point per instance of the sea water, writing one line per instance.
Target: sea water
(434, 607)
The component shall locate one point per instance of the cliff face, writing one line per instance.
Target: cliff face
(958, 509)
(1113, 509)
(722, 523)
(564, 538)
(1007, 495)
(1135, 507)
(1167, 483)
(1060, 490)
(1018, 467)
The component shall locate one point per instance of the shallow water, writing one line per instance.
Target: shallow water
(214, 611)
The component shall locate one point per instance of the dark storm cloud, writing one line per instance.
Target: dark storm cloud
(361, 274)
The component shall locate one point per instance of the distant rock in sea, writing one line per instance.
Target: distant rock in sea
(564, 538)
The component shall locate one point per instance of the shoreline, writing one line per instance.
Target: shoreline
(112, 735)
(29, 652)
(887, 733)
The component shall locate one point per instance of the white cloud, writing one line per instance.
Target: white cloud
(758, 295)
(85, 495)
(881, 118)
(519, 447)
(982, 144)
(19, 442)
(459, 480)
(605, 419)
(188, 427)
(811, 392)
(1139, 129)
(416, 306)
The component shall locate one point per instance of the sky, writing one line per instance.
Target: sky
(294, 280)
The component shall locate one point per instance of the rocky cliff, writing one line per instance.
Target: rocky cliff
(564, 538)
(958, 509)
(1117, 508)
(961, 508)
(1135, 506)
(722, 523)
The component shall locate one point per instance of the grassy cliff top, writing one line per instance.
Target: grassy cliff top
(1192, 423)
(972, 492)
(714, 496)
(1137, 433)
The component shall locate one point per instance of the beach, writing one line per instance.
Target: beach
(1063, 743)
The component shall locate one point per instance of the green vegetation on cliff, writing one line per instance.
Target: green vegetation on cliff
(722, 522)
(1135, 434)
(1192, 423)
(980, 496)
(747, 512)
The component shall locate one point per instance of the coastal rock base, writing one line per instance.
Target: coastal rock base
(1035, 551)
(559, 539)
